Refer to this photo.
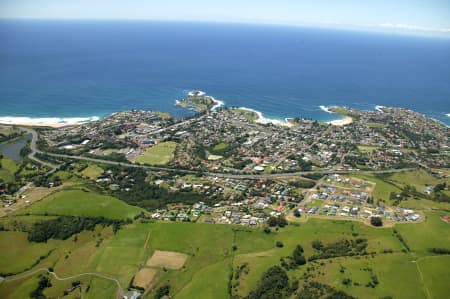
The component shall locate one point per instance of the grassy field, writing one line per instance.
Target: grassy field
(81, 203)
(8, 130)
(247, 114)
(159, 154)
(210, 258)
(23, 254)
(216, 289)
(18, 289)
(376, 125)
(419, 178)
(220, 147)
(367, 148)
(7, 170)
(433, 269)
(433, 232)
(92, 171)
(387, 267)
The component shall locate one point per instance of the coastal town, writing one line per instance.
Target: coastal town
(224, 149)
(231, 166)
(222, 167)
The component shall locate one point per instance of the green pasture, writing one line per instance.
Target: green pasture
(81, 203)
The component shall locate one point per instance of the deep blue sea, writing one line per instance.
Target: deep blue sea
(94, 68)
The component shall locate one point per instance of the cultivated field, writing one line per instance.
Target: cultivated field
(144, 277)
(167, 259)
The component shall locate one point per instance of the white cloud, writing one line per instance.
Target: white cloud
(414, 28)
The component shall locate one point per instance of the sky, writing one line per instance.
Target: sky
(427, 16)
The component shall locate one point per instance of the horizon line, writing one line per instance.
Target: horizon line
(384, 28)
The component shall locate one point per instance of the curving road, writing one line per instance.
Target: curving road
(25, 275)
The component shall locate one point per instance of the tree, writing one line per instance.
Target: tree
(281, 221)
(297, 213)
(376, 221)
(298, 257)
(163, 291)
(272, 221)
(274, 284)
(440, 187)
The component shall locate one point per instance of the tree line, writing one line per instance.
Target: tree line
(64, 227)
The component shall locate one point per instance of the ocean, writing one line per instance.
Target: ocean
(76, 71)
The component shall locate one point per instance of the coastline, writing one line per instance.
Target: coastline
(346, 120)
(217, 103)
(58, 122)
(52, 122)
(54, 126)
(55, 122)
(263, 120)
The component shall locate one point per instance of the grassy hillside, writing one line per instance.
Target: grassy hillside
(214, 252)
(81, 203)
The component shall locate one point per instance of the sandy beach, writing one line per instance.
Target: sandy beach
(341, 122)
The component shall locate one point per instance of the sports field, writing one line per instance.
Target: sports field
(159, 154)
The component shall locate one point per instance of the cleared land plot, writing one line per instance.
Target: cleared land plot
(159, 154)
(81, 203)
(382, 189)
(144, 277)
(168, 259)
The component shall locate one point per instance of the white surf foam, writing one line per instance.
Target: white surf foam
(196, 92)
(379, 108)
(46, 120)
(217, 103)
(264, 120)
(326, 109)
